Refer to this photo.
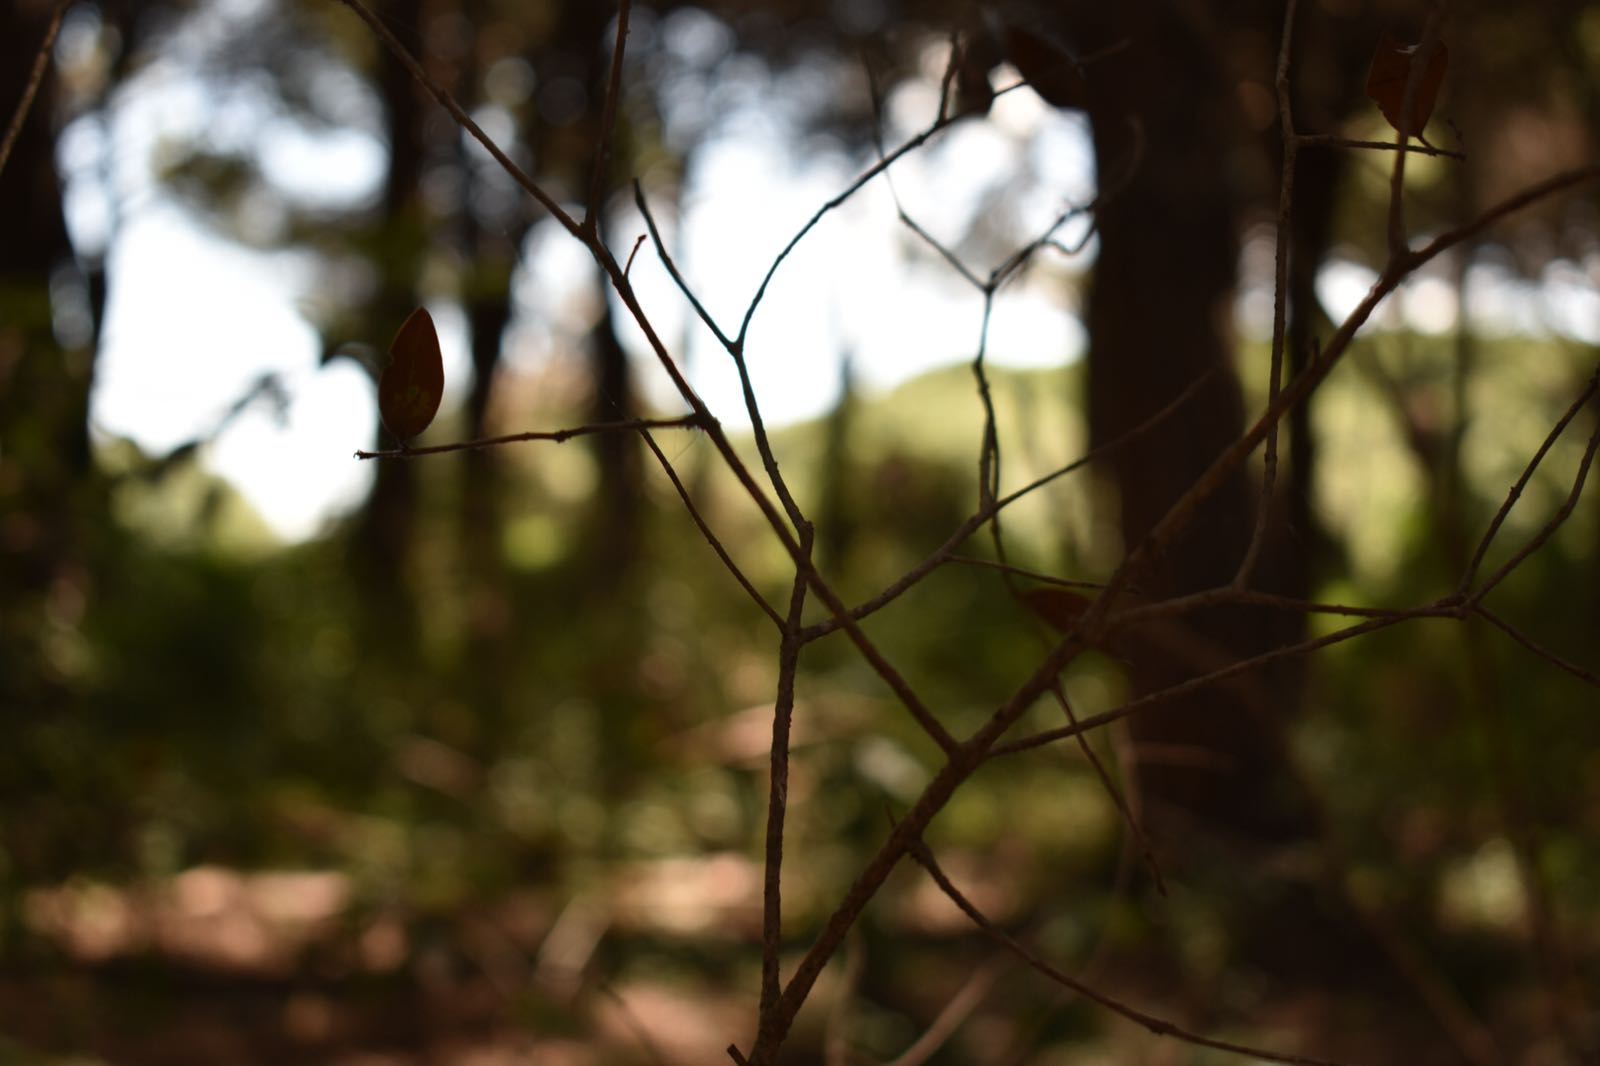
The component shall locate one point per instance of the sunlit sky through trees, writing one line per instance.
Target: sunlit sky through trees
(194, 318)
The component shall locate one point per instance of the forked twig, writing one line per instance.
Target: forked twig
(781, 1002)
(1470, 576)
(705, 531)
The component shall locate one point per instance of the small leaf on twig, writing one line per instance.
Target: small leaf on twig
(1391, 69)
(410, 386)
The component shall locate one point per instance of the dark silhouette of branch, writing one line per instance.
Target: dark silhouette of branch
(1515, 493)
(944, 553)
(1158, 1026)
(446, 101)
(1586, 676)
(1538, 540)
(1049, 736)
(1280, 297)
(41, 63)
(1115, 608)
(559, 436)
(1329, 140)
(778, 791)
(608, 124)
(706, 532)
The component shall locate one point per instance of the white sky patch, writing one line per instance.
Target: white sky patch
(1572, 305)
(1342, 285)
(300, 475)
(1431, 305)
(191, 324)
(329, 168)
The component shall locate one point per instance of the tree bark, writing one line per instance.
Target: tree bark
(1167, 145)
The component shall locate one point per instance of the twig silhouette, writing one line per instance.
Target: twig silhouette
(30, 92)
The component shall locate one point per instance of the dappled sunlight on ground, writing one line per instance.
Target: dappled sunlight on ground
(288, 966)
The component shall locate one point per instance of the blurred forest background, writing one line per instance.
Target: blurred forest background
(475, 769)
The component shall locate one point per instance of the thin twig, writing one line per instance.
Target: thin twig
(1586, 676)
(633, 1023)
(41, 63)
(1329, 140)
(953, 1013)
(945, 552)
(559, 436)
(1023, 572)
(608, 123)
(710, 537)
(836, 1040)
(1135, 830)
(1158, 1026)
(1538, 540)
(654, 233)
(446, 101)
(1215, 476)
(1280, 299)
(855, 186)
(1420, 58)
(637, 244)
(1515, 492)
(1105, 718)
(735, 349)
(778, 789)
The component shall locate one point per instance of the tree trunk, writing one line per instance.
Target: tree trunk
(1159, 315)
(386, 529)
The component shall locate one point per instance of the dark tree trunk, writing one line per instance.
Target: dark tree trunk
(1159, 313)
(386, 530)
(615, 546)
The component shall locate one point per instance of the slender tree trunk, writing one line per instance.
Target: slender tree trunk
(386, 529)
(1159, 319)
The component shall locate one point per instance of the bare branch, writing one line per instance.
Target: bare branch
(956, 1011)
(1135, 830)
(1158, 1026)
(943, 553)
(608, 124)
(1280, 298)
(778, 790)
(710, 537)
(446, 101)
(1548, 530)
(1303, 647)
(559, 436)
(41, 63)
(1586, 676)
(1515, 492)
(1329, 140)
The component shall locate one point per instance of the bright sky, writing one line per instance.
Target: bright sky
(194, 319)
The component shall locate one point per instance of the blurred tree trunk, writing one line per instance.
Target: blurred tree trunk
(1168, 143)
(615, 545)
(386, 530)
(614, 548)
